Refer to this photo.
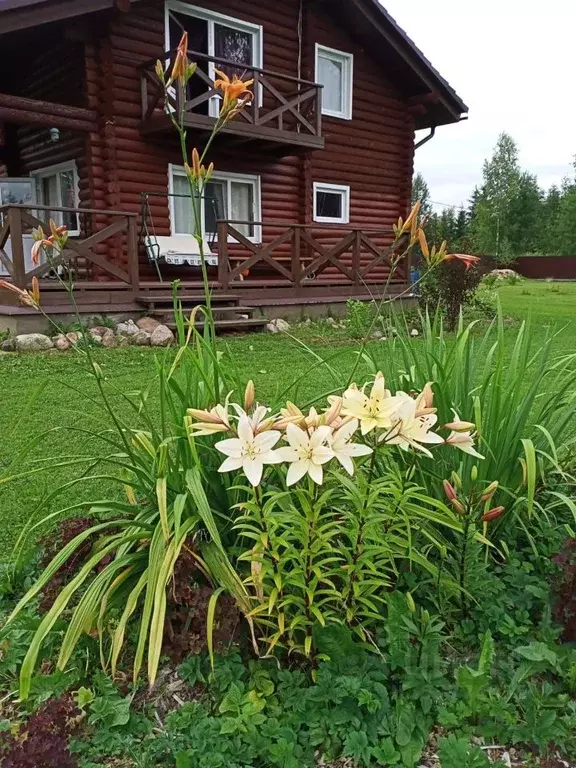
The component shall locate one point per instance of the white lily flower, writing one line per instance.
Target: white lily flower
(412, 429)
(306, 453)
(465, 442)
(258, 419)
(249, 452)
(343, 449)
(374, 411)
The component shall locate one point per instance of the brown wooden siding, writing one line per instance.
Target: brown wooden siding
(373, 152)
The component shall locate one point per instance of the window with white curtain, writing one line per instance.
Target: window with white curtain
(334, 70)
(57, 185)
(231, 196)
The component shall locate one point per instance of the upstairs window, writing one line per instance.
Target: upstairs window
(334, 70)
(231, 196)
(331, 203)
(213, 34)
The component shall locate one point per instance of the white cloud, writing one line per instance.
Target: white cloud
(512, 63)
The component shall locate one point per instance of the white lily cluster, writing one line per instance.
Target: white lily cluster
(311, 441)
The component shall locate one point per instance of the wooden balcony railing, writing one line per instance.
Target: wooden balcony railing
(285, 109)
(306, 255)
(16, 221)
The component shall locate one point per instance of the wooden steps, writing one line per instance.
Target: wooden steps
(229, 315)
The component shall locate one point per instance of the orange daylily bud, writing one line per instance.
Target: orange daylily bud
(36, 291)
(423, 244)
(159, 69)
(249, 395)
(493, 514)
(196, 167)
(411, 217)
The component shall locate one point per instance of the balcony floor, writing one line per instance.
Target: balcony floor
(279, 142)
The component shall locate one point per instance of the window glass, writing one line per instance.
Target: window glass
(215, 204)
(183, 223)
(242, 206)
(329, 205)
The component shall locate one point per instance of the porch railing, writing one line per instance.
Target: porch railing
(281, 102)
(18, 220)
(303, 255)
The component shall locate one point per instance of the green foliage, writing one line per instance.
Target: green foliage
(360, 318)
(450, 289)
(459, 753)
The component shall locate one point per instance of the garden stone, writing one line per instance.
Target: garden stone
(109, 339)
(96, 337)
(330, 321)
(148, 324)
(377, 334)
(99, 330)
(161, 336)
(9, 345)
(414, 332)
(33, 342)
(278, 326)
(61, 343)
(140, 339)
(74, 337)
(129, 328)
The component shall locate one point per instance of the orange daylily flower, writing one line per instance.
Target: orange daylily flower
(466, 259)
(56, 240)
(236, 93)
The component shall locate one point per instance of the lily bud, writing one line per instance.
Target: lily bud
(35, 291)
(490, 491)
(200, 415)
(196, 167)
(249, 395)
(458, 506)
(456, 481)
(460, 426)
(493, 514)
(411, 603)
(159, 69)
(474, 473)
(423, 244)
(449, 490)
(334, 411)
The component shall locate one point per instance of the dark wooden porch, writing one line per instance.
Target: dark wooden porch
(295, 266)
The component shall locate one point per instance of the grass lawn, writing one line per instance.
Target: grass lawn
(57, 414)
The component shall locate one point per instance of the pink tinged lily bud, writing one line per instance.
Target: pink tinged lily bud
(249, 395)
(208, 416)
(427, 395)
(333, 412)
(490, 491)
(265, 425)
(493, 514)
(449, 490)
(460, 426)
(458, 506)
(207, 428)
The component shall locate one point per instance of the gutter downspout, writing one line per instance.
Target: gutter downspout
(426, 138)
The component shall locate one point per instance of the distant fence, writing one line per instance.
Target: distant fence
(542, 267)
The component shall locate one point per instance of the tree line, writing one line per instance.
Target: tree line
(509, 215)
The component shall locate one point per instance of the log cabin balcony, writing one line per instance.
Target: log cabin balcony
(285, 116)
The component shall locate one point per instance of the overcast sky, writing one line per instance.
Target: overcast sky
(512, 61)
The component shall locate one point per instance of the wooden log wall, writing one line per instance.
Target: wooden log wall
(373, 152)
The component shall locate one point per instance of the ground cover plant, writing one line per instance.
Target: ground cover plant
(321, 572)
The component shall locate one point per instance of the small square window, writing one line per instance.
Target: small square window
(331, 203)
(334, 70)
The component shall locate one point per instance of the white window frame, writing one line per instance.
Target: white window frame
(347, 60)
(212, 17)
(344, 191)
(254, 180)
(55, 170)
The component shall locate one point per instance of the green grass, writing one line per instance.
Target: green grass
(58, 413)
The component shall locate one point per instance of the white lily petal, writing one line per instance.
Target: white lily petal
(315, 472)
(253, 469)
(272, 457)
(296, 471)
(230, 447)
(322, 454)
(287, 453)
(346, 462)
(267, 440)
(245, 431)
(230, 464)
(319, 436)
(345, 432)
(296, 436)
(356, 449)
